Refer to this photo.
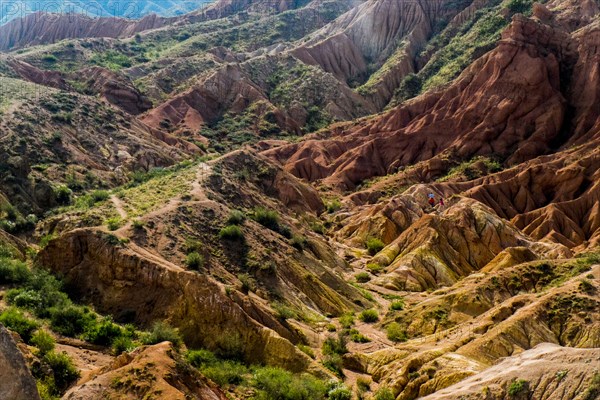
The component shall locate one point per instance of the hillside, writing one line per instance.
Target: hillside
(233, 203)
(102, 8)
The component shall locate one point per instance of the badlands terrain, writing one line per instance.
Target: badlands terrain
(232, 203)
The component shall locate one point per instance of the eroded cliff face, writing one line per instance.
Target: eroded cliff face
(126, 280)
(508, 103)
(44, 28)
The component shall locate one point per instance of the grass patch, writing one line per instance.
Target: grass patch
(369, 316)
(374, 245)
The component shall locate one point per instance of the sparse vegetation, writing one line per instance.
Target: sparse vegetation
(374, 245)
(369, 316)
(162, 332)
(236, 217)
(362, 277)
(17, 321)
(347, 320)
(517, 387)
(397, 305)
(358, 337)
(593, 390)
(384, 393)
(194, 261)
(231, 232)
(267, 218)
(375, 268)
(396, 333)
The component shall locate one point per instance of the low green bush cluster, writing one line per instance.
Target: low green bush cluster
(231, 232)
(369, 316)
(362, 277)
(374, 245)
(396, 333)
(194, 260)
(41, 294)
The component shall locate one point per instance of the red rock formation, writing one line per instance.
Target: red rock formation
(115, 88)
(509, 103)
(32, 74)
(43, 28)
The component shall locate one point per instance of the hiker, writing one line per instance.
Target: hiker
(431, 200)
(441, 202)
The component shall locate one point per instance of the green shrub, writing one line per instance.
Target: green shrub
(247, 283)
(334, 363)
(63, 369)
(362, 277)
(122, 344)
(104, 332)
(307, 350)
(317, 227)
(13, 271)
(138, 224)
(49, 58)
(347, 320)
(71, 320)
(397, 305)
(517, 387)
(519, 6)
(43, 341)
(374, 246)
(198, 358)
(236, 217)
(194, 261)
(99, 195)
(114, 223)
(358, 337)
(225, 372)
(333, 206)
(277, 383)
(161, 332)
(283, 312)
(335, 346)
(375, 268)
(63, 195)
(16, 321)
(369, 316)
(46, 239)
(231, 232)
(299, 242)
(363, 384)
(339, 392)
(384, 394)
(41, 292)
(396, 333)
(267, 218)
(586, 286)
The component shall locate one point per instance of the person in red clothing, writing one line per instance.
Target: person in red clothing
(441, 202)
(431, 201)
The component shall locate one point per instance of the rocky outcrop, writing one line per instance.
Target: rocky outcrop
(508, 103)
(384, 35)
(115, 88)
(130, 280)
(429, 250)
(30, 73)
(234, 88)
(152, 370)
(16, 382)
(548, 372)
